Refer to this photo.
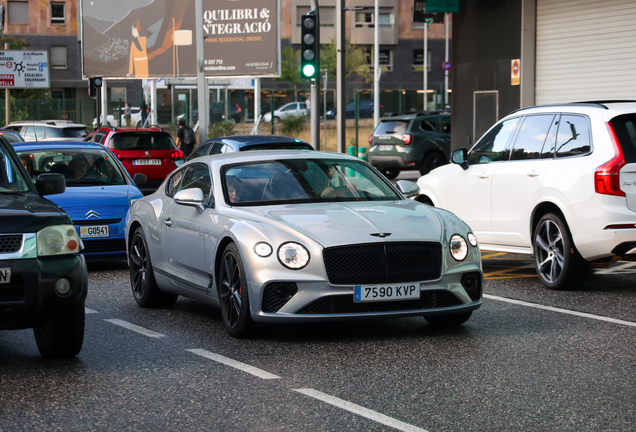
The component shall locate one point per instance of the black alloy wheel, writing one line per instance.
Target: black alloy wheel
(390, 173)
(431, 161)
(559, 264)
(142, 278)
(233, 294)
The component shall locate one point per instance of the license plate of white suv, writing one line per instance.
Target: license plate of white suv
(147, 162)
(369, 293)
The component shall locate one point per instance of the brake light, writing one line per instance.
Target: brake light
(407, 139)
(118, 155)
(238, 109)
(606, 177)
(178, 154)
(371, 139)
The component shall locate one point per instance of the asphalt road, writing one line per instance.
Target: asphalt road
(513, 366)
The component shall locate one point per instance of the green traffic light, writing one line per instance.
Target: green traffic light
(309, 70)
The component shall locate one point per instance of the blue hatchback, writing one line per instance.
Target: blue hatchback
(99, 191)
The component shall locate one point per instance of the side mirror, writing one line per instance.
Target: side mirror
(460, 157)
(408, 188)
(50, 184)
(190, 197)
(140, 179)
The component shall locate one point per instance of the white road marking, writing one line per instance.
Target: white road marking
(619, 269)
(88, 310)
(563, 311)
(135, 328)
(357, 409)
(233, 363)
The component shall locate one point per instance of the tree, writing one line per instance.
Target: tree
(290, 68)
(355, 59)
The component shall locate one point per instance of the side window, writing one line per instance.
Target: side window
(174, 182)
(548, 146)
(493, 147)
(532, 134)
(197, 176)
(573, 138)
(226, 149)
(216, 148)
(202, 150)
(427, 125)
(99, 138)
(445, 125)
(28, 133)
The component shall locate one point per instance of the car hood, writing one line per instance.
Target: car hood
(28, 213)
(96, 195)
(333, 224)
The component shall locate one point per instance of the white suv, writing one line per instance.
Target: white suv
(558, 182)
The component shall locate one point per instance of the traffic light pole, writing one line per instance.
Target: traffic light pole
(340, 76)
(314, 114)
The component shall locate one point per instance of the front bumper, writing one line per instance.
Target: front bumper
(30, 294)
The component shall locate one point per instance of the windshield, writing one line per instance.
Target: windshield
(12, 180)
(12, 137)
(141, 140)
(70, 132)
(304, 180)
(80, 167)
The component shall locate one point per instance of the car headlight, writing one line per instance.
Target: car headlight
(458, 247)
(472, 239)
(263, 249)
(132, 201)
(293, 255)
(58, 240)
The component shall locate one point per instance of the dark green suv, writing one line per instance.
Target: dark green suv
(416, 140)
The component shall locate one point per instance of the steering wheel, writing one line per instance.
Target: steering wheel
(91, 174)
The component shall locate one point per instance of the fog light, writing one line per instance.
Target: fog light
(62, 286)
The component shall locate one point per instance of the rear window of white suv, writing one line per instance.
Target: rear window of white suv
(625, 129)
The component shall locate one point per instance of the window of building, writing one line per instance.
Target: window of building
(365, 19)
(327, 15)
(58, 13)
(18, 12)
(386, 59)
(418, 64)
(58, 57)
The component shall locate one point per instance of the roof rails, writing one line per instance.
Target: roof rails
(419, 113)
(601, 104)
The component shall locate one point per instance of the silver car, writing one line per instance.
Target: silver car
(296, 236)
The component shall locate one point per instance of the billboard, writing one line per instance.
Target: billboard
(24, 69)
(157, 38)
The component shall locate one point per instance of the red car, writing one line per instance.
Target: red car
(149, 151)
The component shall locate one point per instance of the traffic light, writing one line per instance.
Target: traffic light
(309, 56)
(93, 85)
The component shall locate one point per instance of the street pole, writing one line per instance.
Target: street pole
(104, 103)
(7, 96)
(257, 103)
(340, 77)
(376, 66)
(446, 59)
(202, 84)
(314, 114)
(324, 105)
(425, 63)
(153, 100)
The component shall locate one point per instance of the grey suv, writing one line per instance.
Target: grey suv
(417, 140)
(49, 130)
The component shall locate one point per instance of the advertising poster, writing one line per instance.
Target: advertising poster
(157, 38)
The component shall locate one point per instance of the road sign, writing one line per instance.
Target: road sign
(24, 69)
(447, 65)
(515, 72)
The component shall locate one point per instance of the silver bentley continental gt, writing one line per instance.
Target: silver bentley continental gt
(291, 236)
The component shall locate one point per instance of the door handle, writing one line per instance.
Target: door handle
(533, 173)
(483, 175)
(168, 222)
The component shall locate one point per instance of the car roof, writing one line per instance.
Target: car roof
(219, 160)
(407, 115)
(611, 107)
(247, 140)
(56, 123)
(56, 145)
(130, 129)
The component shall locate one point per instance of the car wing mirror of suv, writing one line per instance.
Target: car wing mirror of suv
(51, 184)
(459, 157)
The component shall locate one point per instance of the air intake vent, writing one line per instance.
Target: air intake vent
(10, 243)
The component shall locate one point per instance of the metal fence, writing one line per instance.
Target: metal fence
(77, 110)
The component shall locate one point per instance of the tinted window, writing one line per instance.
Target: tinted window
(202, 150)
(12, 138)
(197, 176)
(532, 134)
(428, 125)
(391, 127)
(11, 177)
(548, 146)
(173, 183)
(282, 146)
(625, 129)
(141, 141)
(216, 148)
(493, 146)
(573, 138)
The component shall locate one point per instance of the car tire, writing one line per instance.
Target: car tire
(233, 294)
(390, 173)
(448, 320)
(431, 161)
(142, 279)
(559, 265)
(276, 119)
(62, 334)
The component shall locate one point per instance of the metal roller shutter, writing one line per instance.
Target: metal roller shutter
(585, 50)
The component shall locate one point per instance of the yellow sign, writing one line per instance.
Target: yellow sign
(515, 72)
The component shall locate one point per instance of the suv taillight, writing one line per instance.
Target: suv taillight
(606, 177)
(177, 154)
(407, 139)
(371, 139)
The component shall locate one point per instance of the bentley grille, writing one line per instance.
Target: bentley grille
(379, 263)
